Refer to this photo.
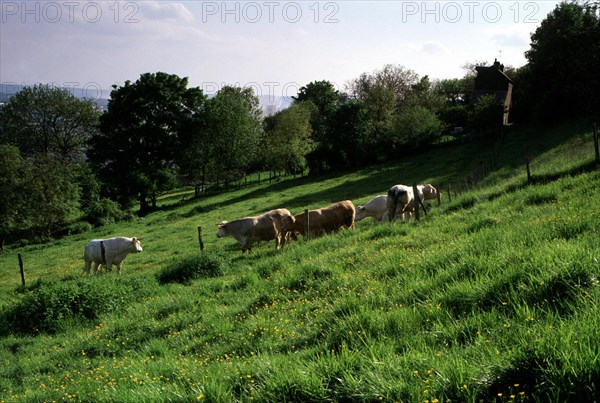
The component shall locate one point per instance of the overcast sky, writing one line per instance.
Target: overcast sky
(273, 46)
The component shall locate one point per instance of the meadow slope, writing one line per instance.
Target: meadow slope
(492, 296)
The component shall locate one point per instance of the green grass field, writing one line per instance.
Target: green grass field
(492, 296)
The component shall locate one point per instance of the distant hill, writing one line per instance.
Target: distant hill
(269, 104)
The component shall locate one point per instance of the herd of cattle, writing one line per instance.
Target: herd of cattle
(279, 225)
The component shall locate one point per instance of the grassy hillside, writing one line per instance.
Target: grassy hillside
(492, 297)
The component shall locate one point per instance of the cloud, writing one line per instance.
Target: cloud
(433, 48)
(171, 12)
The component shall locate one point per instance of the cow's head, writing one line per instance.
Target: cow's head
(429, 192)
(136, 247)
(360, 213)
(287, 223)
(222, 229)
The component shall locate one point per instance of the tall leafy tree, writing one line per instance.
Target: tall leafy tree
(326, 99)
(35, 193)
(394, 78)
(565, 59)
(287, 139)
(143, 134)
(48, 120)
(53, 193)
(232, 130)
(13, 180)
(350, 136)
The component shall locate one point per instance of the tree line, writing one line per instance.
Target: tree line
(63, 160)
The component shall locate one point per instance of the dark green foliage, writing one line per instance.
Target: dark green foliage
(48, 120)
(142, 135)
(48, 307)
(564, 58)
(485, 118)
(105, 211)
(288, 139)
(190, 268)
(35, 193)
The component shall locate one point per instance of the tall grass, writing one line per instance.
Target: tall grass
(493, 297)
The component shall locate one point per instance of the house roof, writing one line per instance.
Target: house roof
(492, 78)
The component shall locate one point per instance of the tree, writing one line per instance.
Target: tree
(394, 78)
(486, 115)
(52, 192)
(287, 138)
(350, 139)
(13, 181)
(143, 134)
(564, 58)
(415, 126)
(42, 119)
(35, 194)
(233, 128)
(380, 103)
(326, 99)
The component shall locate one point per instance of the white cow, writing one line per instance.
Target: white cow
(108, 252)
(400, 202)
(376, 208)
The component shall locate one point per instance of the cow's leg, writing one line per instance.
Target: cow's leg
(247, 245)
(96, 265)
(87, 267)
(119, 265)
(109, 266)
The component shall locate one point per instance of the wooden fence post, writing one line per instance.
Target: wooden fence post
(596, 150)
(22, 270)
(200, 238)
(449, 195)
(439, 197)
(528, 171)
(306, 223)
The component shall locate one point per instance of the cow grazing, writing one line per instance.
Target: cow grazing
(256, 229)
(323, 220)
(400, 200)
(108, 252)
(376, 208)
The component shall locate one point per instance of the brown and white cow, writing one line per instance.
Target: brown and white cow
(248, 230)
(323, 220)
(108, 252)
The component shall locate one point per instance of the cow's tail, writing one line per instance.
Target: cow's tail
(393, 195)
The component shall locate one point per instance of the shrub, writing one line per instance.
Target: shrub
(190, 268)
(104, 211)
(49, 306)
